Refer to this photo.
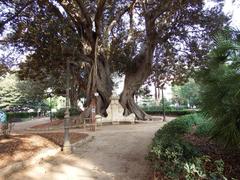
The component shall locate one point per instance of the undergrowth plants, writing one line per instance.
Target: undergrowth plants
(176, 158)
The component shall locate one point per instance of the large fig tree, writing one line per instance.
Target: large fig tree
(118, 35)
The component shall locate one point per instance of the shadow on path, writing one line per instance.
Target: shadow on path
(117, 152)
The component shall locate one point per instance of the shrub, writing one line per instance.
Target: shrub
(170, 112)
(220, 84)
(174, 156)
(204, 129)
(18, 116)
(181, 125)
(61, 112)
(74, 111)
(169, 151)
(196, 169)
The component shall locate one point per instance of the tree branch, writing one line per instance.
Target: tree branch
(120, 14)
(98, 16)
(84, 12)
(60, 15)
(17, 13)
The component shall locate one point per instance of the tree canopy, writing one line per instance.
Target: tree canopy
(18, 95)
(101, 37)
(187, 94)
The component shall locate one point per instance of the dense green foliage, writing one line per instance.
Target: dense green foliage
(20, 95)
(61, 112)
(220, 87)
(175, 157)
(205, 128)
(187, 94)
(170, 112)
(118, 36)
(9, 94)
(18, 116)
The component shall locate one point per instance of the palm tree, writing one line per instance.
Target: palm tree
(220, 88)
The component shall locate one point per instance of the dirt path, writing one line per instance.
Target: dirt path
(116, 152)
(21, 126)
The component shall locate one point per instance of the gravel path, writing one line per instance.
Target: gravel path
(116, 153)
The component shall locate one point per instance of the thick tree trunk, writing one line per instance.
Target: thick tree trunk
(101, 81)
(73, 100)
(133, 80)
(77, 86)
(103, 88)
(143, 64)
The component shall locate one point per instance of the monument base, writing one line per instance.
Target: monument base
(115, 113)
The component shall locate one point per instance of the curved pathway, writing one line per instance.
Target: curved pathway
(116, 153)
(21, 126)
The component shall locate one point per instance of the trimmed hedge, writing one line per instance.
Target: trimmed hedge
(172, 112)
(17, 116)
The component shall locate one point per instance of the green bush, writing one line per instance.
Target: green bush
(181, 125)
(204, 129)
(18, 116)
(156, 108)
(169, 112)
(74, 111)
(196, 169)
(61, 112)
(169, 151)
(174, 156)
(220, 84)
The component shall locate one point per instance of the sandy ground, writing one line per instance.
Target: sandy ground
(21, 147)
(116, 153)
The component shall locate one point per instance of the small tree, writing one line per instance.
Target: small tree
(16, 94)
(187, 94)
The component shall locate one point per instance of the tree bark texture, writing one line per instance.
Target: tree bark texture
(73, 98)
(103, 87)
(133, 81)
(143, 66)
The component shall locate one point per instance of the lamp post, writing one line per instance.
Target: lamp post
(67, 145)
(93, 111)
(49, 93)
(163, 103)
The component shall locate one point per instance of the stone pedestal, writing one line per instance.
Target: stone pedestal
(115, 113)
